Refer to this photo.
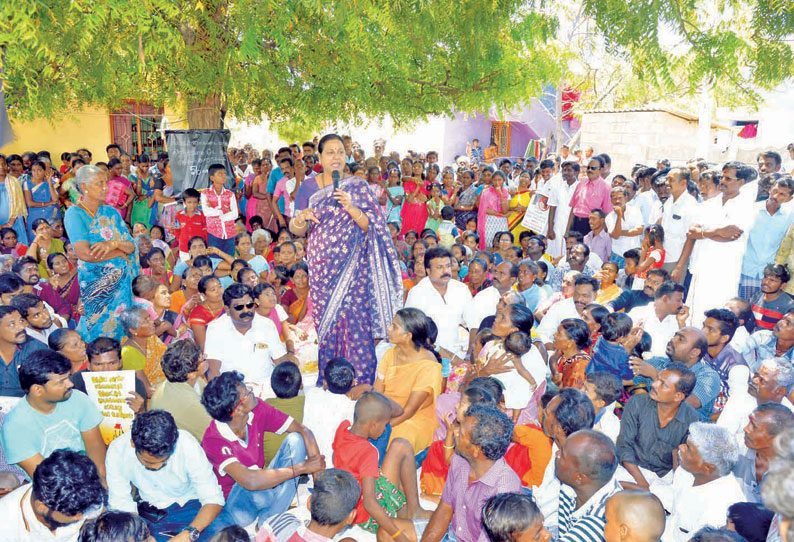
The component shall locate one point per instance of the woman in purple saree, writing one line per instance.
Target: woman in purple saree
(354, 273)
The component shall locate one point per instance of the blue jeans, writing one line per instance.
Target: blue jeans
(225, 245)
(177, 518)
(243, 506)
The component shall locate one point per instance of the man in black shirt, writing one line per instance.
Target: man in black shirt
(631, 299)
(653, 425)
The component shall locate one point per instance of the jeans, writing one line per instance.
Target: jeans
(243, 506)
(177, 518)
(225, 245)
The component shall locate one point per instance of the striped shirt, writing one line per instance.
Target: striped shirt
(768, 313)
(585, 524)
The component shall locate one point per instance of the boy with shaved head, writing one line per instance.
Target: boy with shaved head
(634, 516)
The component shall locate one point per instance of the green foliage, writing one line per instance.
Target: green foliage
(304, 64)
(736, 45)
(299, 63)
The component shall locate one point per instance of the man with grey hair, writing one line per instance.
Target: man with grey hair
(703, 485)
(777, 491)
(772, 381)
(766, 422)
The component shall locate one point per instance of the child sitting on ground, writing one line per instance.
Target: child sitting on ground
(286, 383)
(447, 231)
(327, 407)
(510, 517)
(332, 506)
(611, 352)
(390, 491)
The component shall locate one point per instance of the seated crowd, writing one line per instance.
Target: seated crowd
(622, 375)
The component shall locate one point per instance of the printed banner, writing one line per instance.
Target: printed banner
(109, 390)
(537, 216)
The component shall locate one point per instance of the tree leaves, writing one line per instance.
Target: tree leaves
(305, 63)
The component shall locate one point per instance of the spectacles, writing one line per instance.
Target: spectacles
(241, 307)
(593, 168)
(731, 179)
(249, 392)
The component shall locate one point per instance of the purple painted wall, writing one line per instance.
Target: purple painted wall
(527, 123)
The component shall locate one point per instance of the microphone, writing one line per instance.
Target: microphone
(335, 177)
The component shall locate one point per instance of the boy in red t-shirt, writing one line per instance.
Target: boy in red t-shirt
(387, 492)
(190, 222)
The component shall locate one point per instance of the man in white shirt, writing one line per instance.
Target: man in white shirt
(484, 303)
(576, 412)
(560, 191)
(178, 490)
(678, 214)
(241, 340)
(703, 486)
(604, 389)
(624, 225)
(584, 293)
(444, 300)
(662, 318)
(66, 491)
(720, 236)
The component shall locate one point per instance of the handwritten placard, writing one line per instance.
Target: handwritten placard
(109, 390)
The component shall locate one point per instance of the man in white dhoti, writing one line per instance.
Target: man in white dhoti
(560, 191)
(719, 237)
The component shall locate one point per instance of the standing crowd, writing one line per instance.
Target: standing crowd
(334, 346)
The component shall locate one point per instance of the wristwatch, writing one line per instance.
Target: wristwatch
(193, 532)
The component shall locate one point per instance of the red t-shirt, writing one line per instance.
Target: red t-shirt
(189, 227)
(357, 456)
(223, 448)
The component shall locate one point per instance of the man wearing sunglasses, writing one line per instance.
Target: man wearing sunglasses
(241, 340)
(590, 193)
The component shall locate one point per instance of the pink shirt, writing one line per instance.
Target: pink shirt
(467, 499)
(590, 195)
(223, 448)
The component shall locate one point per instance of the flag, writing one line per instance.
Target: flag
(535, 149)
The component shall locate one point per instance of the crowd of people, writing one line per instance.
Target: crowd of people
(334, 346)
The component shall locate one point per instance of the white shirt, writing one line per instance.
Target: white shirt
(556, 314)
(187, 475)
(547, 494)
(481, 306)
(688, 511)
(645, 201)
(632, 218)
(19, 523)
(323, 411)
(447, 312)
(661, 331)
(517, 390)
(559, 197)
(725, 258)
(608, 423)
(250, 354)
(677, 217)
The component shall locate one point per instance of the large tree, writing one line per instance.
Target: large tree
(304, 63)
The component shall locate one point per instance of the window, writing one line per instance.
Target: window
(135, 128)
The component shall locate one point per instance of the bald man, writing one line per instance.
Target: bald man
(634, 516)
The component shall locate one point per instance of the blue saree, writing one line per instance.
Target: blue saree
(105, 287)
(354, 279)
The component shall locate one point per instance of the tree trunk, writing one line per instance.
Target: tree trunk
(205, 114)
(558, 132)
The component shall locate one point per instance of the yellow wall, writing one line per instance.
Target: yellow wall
(89, 128)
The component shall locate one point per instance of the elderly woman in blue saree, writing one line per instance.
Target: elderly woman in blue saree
(354, 273)
(107, 256)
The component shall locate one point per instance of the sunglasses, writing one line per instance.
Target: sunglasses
(593, 168)
(241, 307)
